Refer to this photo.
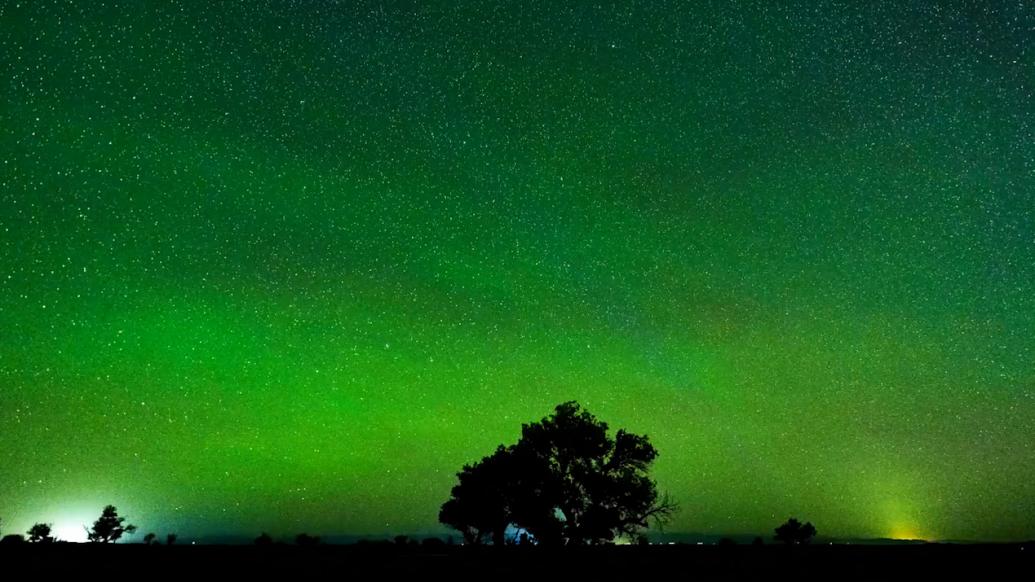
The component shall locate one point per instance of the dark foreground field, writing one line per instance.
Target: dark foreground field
(821, 562)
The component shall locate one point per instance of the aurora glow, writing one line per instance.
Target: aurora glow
(285, 266)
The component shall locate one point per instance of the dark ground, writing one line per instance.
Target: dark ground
(822, 562)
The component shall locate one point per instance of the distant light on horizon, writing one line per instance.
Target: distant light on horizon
(906, 532)
(70, 531)
(71, 519)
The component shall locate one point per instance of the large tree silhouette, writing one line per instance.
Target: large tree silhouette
(109, 528)
(793, 532)
(479, 507)
(507, 487)
(565, 482)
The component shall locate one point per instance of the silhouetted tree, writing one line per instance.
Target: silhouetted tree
(264, 539)
(40, 534)
(170, 539)
(793, 532)
(110, 527)
(304, 539)
(758, 541)
(565, 482)
(480, 505)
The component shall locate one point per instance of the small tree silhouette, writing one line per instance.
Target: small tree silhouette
(40, 534)
(110, 527)
(793, 532)
(149, 539)
(304, 539)
(170, 539)
(264, 539)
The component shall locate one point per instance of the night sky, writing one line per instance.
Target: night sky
(286, 266)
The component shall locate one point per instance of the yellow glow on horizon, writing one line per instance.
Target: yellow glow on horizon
(906, 532)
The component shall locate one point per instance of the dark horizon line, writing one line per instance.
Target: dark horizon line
(667, 538)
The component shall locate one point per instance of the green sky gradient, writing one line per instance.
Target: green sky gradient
(286, 266)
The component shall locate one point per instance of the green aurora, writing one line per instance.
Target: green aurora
(286, 266)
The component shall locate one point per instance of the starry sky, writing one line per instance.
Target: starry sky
(286, 266)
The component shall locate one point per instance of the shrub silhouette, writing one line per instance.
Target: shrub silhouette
(264, 539)
(109, 528)
(170, 539)
(12, 540)
(149, 539)
(304, 539)
(432, 543)
(564, 482)
(793, 532)
(40, 534)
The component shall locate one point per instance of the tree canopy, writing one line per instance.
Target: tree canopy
(794, 532)
(40, 533)
(565, 481)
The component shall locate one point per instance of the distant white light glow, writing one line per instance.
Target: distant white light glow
(69, 530)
